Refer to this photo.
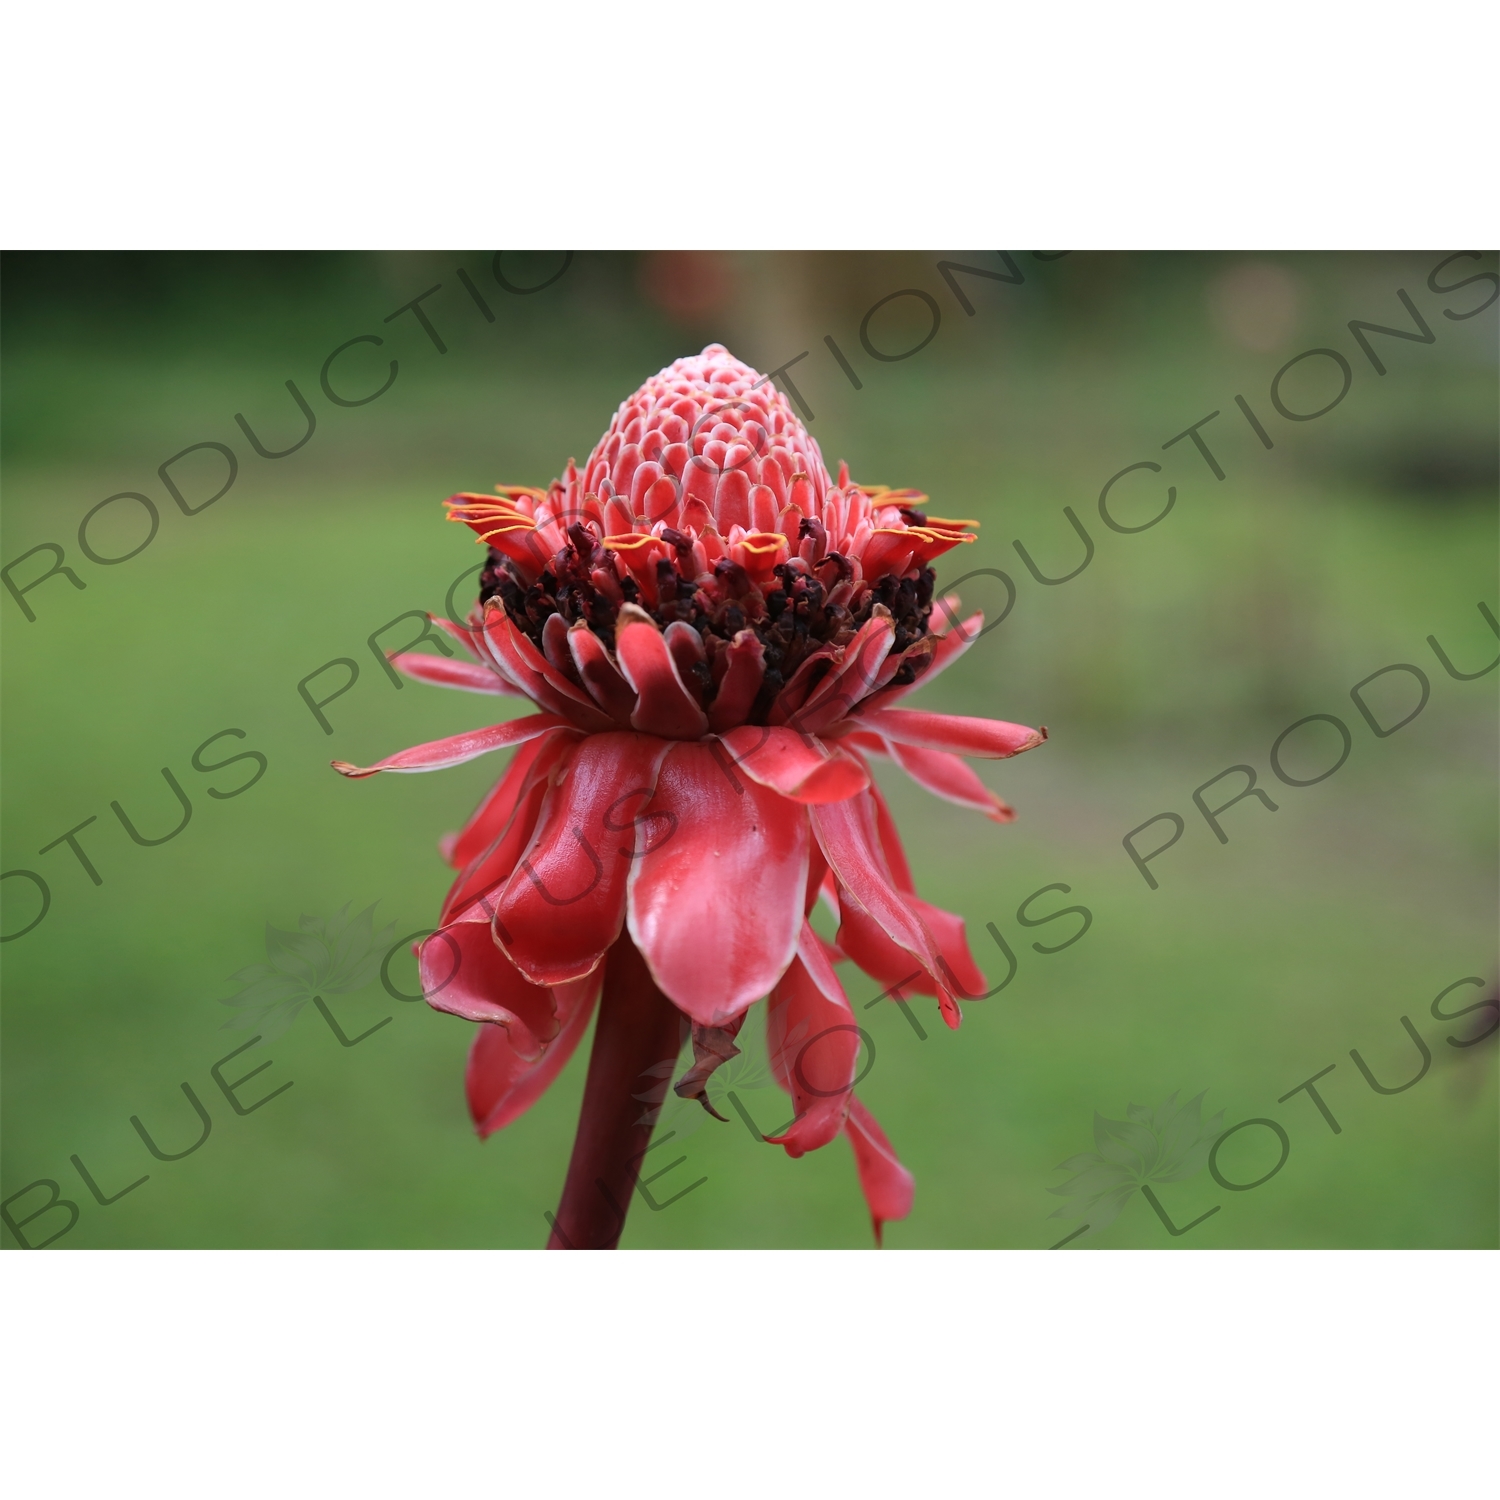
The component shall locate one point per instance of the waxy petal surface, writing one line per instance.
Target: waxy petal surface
(537, 678)
(489, 819)
(863, 939)
(946, 776)
(464, 974)
(494, 864)
(989, 739)
(851, 680)
(887, 1185)
(501, 1085)
(796, 765)
(601, 676)
(443, 671)
(813, 1044)
(716, 901)
(565, 904)
(663, 704)
(849, 837)
(436, 755)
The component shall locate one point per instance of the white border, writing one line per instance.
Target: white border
(750, 1373)
(772, 124)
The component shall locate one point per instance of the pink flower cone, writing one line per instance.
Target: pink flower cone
(717, 637)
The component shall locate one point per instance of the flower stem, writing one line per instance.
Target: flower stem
(637, 1030)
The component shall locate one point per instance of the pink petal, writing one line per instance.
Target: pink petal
(464, 974)
(887, 1185)
(814, 1047)
(890, 841)
(460, 633)
(850, 681)
(948, 777)
(535, 676)
(716, 902)
(794, 764)
(731, 500)
(601, 676)
(863, 939)
(992, 739)
(471, 676)
(664, 706)
(494, 864)
(685, 646)
(555, 649)
(947, 648)
(502, 1085)
(849, 837)
(740, 684)
(565, 903)
(457, 748)
(491, 816)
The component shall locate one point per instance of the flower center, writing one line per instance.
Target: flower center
(804, 610)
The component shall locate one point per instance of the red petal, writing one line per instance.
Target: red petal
(660, 502)
(831, 951)
(716, 903)
(600, 675)
(948, 777)
(491, 816)
(862, 740)
(456, 749)
(685, 646)
(887, 551)
(812, 670)
(664, 706)
(794, 764)
(960, 971)
(887, 1185)
(850, 681)
(502, 1085)
(641, 481)
(863, 939)
(555, 649)
(460, 633)
(992, 739)
(741, 682)
(535, 676)
(731, 500)
(848, 834)
(471, 676)
(890, 841)
(464, 974)
(494, 864)
(814, 1047)
(947, 647)
(565, 903)
(763, 510)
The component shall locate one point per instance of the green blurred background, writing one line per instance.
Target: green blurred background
(1178, 652)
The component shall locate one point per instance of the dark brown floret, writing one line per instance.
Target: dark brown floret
(792, 619)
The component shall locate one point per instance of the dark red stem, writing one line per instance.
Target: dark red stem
(638, 1029)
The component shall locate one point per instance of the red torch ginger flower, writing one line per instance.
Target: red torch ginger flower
(716, 635)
